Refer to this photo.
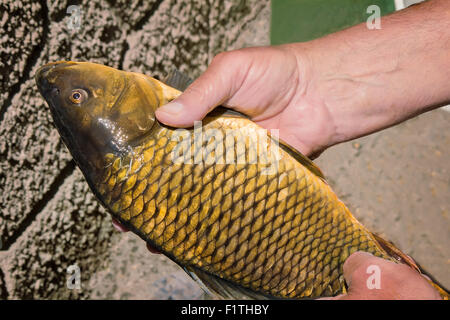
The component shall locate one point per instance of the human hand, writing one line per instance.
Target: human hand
(268, 84)
(396, 281)
(333, 89)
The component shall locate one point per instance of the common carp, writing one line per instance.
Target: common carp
(242, 212)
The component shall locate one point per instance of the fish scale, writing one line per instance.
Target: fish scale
(273, 233)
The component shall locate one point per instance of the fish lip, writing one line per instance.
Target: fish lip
(41, 79)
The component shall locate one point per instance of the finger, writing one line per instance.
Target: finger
(357, 272)
(370, 277)
(358, 261)
(352, 273)
(212, 88)
(152, 250)
(118, 226)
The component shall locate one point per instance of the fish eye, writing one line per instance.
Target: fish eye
(78, 96)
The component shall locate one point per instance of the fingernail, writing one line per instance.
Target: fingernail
(118, 226)
(364, 253)
(356, 254)
(426, 277)
(172, 108)
(152, 250)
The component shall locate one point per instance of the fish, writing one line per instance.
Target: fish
(242, 212)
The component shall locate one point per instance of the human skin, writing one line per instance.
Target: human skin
(334, 89)
(396, 281)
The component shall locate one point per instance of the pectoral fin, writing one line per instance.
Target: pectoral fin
(178, 80)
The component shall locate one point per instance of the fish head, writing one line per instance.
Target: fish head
(98, 109)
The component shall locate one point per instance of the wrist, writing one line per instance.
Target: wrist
(368, 80)
(318, 122)
(354, 85)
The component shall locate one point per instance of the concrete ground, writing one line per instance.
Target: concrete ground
(396, 182)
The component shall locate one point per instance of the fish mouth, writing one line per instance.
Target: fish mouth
(49, 91)
(43, 75)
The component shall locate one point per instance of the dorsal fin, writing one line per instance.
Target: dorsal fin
(398, 255)
(178, 80)
(395, 253)
(220, 288)
(304, 160)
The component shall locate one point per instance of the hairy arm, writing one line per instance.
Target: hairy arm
(372, 79)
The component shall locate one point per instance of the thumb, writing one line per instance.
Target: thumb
(215, 86)
(370, 277)
(356, 274)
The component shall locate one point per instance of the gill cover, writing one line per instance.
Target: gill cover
(133, 113)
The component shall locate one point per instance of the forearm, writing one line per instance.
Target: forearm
(372, 79)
